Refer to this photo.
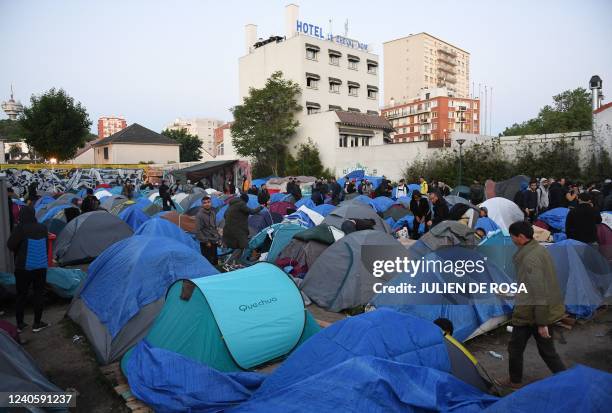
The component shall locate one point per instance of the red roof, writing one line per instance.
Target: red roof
(603, 107)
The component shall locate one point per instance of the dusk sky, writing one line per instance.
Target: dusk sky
(154, 61)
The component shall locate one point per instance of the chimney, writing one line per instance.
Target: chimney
(250, 32)
(595, 84)
(291, 16)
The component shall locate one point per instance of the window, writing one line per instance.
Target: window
(312, 81)
(372, 112)
(334, 107)
(334, 57)
(365, 141)
(343, 141)
(434, 114)
(353, 62)
(312, 108)
(334, 85)
(312, 52)
(354, 110)
(372, 67)
(106, 153)
(372, 92)
(353, 88)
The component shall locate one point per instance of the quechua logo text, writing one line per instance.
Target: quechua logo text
(260, 303)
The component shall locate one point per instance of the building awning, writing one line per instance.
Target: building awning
(312, 47)
(352, 57)
(334, 107)
(354, 110)
(372, 62)
(353, 84)
(334, 53)
(312, 76)
(313, 105)
(362, 120)
(356, 132)
(335, 80)
(202, 170)
(374, 88)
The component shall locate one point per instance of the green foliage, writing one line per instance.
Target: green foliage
(54, 125)
(264, 123)
(570, 112)
(91, 137)
(191, 145)
(307, 161)
(15, 151)
(598, 167)
(11, 130)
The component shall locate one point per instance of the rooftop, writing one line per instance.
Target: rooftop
(137, 135)
(364, 120)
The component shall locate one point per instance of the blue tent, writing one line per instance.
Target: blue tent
(125, 290)
(305, 201)
(42, 201)
(116, 190)
(63, 281)
(260, 181)
(487, 224)
(159, 227)
(53, 212)
(407, 220)
(555, 218)
(134, 216)
(582, 388)
(381, 203)
(471, 313)
(323, 209)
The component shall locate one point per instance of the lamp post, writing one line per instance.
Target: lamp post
(460, 142)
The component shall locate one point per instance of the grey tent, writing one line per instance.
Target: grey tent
(449, 233)
(339, 279)
(18, 371)
(505, 189)
(355, 210)
(190, 199)
(114, 204)
(86, 236)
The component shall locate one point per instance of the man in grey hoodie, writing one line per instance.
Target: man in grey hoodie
(206, 231)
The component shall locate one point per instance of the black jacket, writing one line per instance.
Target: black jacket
(236, 228)
(440, 210)
(420, 208)
(263, 196)
(556, 196)
(29, 241)
(581, 223)
(476, 194)
(530, 199)
(90, 203)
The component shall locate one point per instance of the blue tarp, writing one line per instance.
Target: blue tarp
(53, 211)
(579, 389)
(407, 220)
(260, 181)
(555, 218)
(487, 224)
(281, 197)
(116, 190)
(135, 272)
(381, 203)
(323, 209)
(158, 227)
(585, 277)
(559, 236)
(467, 311)
(44, 200)
(305, 201)
(134, 216)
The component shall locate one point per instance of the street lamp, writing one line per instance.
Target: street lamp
(460, 142)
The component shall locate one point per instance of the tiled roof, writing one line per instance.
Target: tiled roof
(364, 120)
(138, 135)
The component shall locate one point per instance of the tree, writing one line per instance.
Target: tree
(570, 112)
(191, 145)
(307, 161)
(15, 151)
(265, 122)
(11, 130)
(54, 125)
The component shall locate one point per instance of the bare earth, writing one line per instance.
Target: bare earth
(70, 363)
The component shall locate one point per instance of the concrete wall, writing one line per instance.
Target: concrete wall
(133, 154)
(85, 158)
(602, 128)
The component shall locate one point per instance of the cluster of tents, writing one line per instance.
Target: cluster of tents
(191, 338)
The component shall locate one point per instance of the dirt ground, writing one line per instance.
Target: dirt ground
(70, 363)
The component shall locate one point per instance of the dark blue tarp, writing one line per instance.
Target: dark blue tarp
(135, 272)
(44, 200)
(381, 203)
(487, 224)
(280, 197)
(170, 382)
(159, 227)
(555, 218)
(407, 220)
(323, 209)
(305, 201)
(579, 389)
(53, 211)
(134, 216)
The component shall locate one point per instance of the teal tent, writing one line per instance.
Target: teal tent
(233, 321)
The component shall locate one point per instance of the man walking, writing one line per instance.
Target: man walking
(164, 193)
(536, 310)
(206, 231)
(29, 244)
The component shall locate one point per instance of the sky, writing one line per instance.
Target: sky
(154, 61)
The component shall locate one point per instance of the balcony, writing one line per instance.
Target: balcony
(424, 119)
(447, 79)
(449, 53)
(448, 70)
(447, 60)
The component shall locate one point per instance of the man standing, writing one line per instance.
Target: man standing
(543, 196)
(164, 193)
(420, 210)
(263, 196)
(29, 244)
(236, 229)
(90, 202)
(581, 222)
(556, 194)
(536, 310)
(476, 193)
(440, 210)
(206, 231)
(530, 201)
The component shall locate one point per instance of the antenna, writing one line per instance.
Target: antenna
(11, 91)
(346, 28)
(491, 110)
(331, 30)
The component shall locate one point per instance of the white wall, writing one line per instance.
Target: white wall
(133, 154)
(86, 158)
(602, 128)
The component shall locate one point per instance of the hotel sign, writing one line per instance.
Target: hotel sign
(317, 31)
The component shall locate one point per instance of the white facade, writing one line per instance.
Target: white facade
(122, 153)
(203, 128)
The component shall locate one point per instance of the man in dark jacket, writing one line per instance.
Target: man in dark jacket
(530, 200)
(166, 196)
(294, 189)
(536, 310)
(581, 222)
(90, 202)
(206, 231)
(236, 229)
(440, 209)
(263, 196)
(29, 244)
(336, 191)
(317, 197)
(476, 193)
(556, 194)
(420, 210)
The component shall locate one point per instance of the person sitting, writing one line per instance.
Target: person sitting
(401, 189)
(581, 222)
(90, 203)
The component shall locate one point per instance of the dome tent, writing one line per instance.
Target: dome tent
(88, 235)
(125, 289)
(339, 279)
(503, 212)
(158, 227)
(355, 210)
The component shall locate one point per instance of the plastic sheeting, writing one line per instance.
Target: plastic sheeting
(579, 389)
(158, 227)
(137, 271)
(63, 281)
(134, 216)
(555, 218)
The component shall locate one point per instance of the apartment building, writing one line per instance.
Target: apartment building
(424, 62)
(109, 125)
(338, 77)
(432, 115)
(203, 128)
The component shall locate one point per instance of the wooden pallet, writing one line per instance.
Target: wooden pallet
(115, 376)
